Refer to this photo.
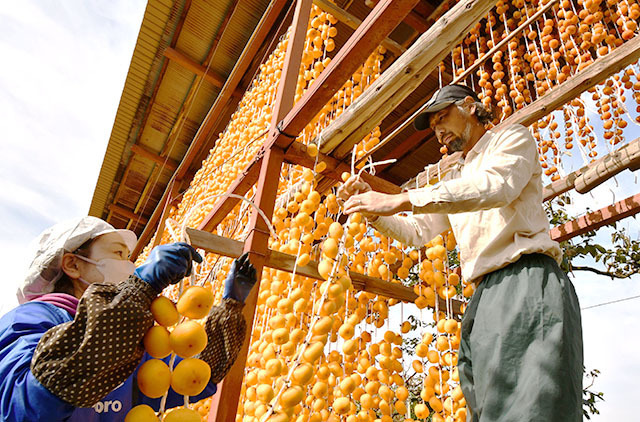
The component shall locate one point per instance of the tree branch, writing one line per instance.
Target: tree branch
(600, 272)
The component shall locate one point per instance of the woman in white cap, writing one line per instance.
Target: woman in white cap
(70, 350)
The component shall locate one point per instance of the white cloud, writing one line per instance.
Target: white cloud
(64, 67)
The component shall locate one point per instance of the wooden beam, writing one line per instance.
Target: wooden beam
(598, 71)
(225, 405)
(591, 175)
(595, 220)
(166, 162)
(601, 69)
(610, 165)
(285, 262)
(353, 23)
(380, 22)
(439, 11)
(240, 186)
(195, 67)
(124, 212)
(376, 27)
(216, 112)
(402, 77)
(407, 117)
(417, 22)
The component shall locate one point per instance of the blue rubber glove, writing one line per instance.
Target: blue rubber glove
(240, 280)
(168, 264)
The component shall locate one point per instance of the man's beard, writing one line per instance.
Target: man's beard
(456, 145)
(459, 142)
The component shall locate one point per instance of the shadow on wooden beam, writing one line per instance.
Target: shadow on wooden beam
(285, 262)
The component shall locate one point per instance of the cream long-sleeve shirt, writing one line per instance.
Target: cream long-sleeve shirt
(492, 201)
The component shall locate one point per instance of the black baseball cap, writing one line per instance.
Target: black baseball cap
(441, 99)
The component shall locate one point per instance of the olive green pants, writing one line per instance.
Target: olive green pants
(521, 349)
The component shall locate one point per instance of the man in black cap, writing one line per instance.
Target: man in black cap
(520, 355)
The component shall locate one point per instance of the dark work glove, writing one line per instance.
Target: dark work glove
(168, 264)
(240, 280)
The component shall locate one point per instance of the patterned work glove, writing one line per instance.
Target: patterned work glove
(168, 264)
(240, 280)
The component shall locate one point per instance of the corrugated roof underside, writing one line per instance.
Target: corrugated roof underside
(155, 18)
(245, 18)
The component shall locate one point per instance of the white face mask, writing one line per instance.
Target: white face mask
(113, 270)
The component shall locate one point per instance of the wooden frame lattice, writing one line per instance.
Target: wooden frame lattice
(338, 139)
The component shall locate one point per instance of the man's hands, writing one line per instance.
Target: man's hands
(376, 203)
(353, 186)
(168, 264)
(240, 280)
(359, 197)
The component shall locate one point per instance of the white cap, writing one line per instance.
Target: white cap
(46, 251)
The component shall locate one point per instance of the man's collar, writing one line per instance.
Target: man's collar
(481, 144)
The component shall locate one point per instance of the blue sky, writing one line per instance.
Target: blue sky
(64, 67)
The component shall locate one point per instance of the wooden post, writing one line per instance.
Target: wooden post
(224, 406)
(380, 22)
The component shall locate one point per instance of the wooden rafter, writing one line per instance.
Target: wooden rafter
(595, 220)
(595, 173)
(165, 162)
(195, 67)
(171, 31)
(217, 111)
(380, 22)
(127, 213)
(176, 129)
